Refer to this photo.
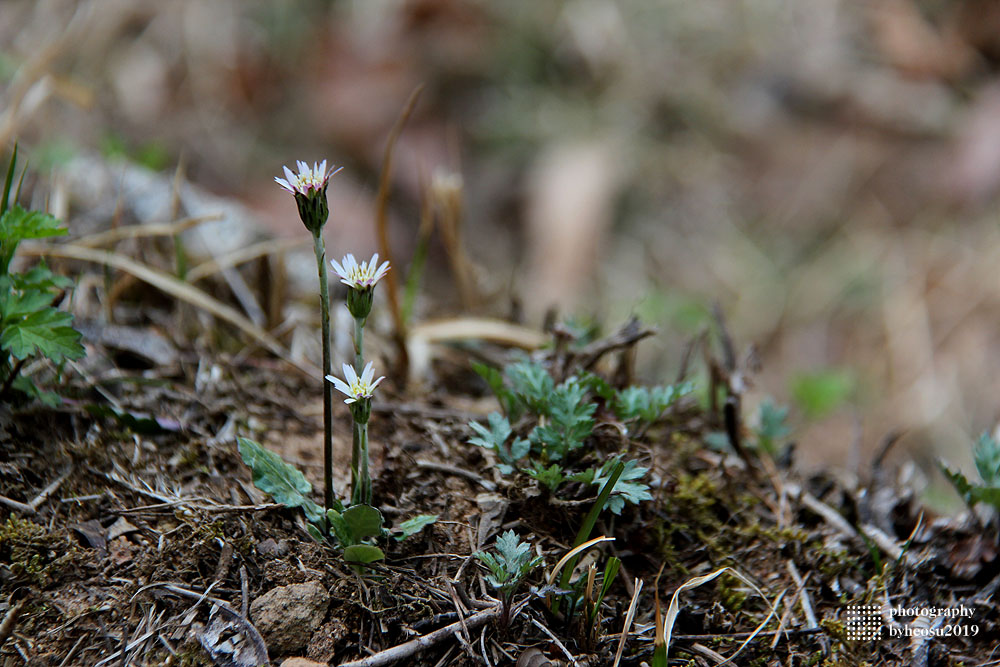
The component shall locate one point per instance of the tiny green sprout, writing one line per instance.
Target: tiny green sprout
(772, 426)
(986, 454)
(495, 438)
(512, 563)
(648, 403)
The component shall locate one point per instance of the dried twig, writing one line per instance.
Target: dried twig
(414, 646)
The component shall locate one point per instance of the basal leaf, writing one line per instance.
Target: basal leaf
(363, 521)
(17, 224)
(281, 481)
(412, 526)
(363, 554)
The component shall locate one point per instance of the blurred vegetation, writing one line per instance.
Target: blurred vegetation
(824, 173)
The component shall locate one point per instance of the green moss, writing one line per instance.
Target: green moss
(834, 628)
(34, 554)
(731, 595)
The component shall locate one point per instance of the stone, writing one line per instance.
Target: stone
(287, 616)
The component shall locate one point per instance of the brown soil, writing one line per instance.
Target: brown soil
(143, 511)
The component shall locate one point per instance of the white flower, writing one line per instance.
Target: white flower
(356, 388)
(359, 276)
(308, 180)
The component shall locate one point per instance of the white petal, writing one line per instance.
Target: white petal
(350, 374)
(351, 400)
(375, 383)
(368, 374)
(322, 169)
(340, 385)
(283, 183)
(338, 268)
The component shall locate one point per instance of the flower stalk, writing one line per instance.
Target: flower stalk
(309, 189)
(359, 391)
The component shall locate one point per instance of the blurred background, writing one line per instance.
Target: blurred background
(827, 172)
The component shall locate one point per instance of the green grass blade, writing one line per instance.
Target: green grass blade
(8, 181)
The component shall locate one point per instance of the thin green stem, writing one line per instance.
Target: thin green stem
(366, 480)
(324, 297)
(361, 481)
(356, 464)
(359, 344)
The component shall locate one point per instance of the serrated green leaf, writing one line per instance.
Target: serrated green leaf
(47, 332)
(412, 526)
(531, 384)
(363, 521)
(280, 480)
(627, 488)
(38, 277)
(551, 477)
(363, 554)
(17, 224)
(18, 304)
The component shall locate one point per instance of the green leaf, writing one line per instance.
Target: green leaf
(532, 385)
(18, 304)
(412, 526)
(494, 437)
(17, 224)
(551, 477)
(339, 527)
(47, 332)
(772, 425)
(39, 277)
(511, 564)
(24, 385)
(494, 378)
(626, 489)
(281, 481)
(648, 404)
(987, 494)
(987, 457)
(820, 393)
(363, 554)
(571, 420)
(8, 180)
(519, 448)
(363, 521)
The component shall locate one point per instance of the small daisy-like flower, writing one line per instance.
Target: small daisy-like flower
(359, 390)
(360, 276)
(309, 188)
(307, 180)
